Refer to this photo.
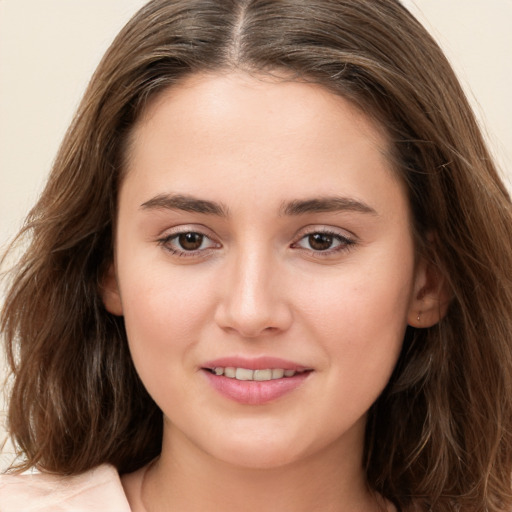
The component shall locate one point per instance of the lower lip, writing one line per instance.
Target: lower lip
(251, 392)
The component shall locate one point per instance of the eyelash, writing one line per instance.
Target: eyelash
(345, 243)
(167, 240)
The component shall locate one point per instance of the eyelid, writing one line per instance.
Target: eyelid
(167, 236)
(326, 228)
(186, 228)
(347, 240)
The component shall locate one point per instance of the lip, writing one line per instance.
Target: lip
(258, 363)
(255, 392)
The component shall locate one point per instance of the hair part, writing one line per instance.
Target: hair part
(439, 436)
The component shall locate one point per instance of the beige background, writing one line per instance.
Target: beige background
(49, 49)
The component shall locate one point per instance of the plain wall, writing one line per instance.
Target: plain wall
(49, 49)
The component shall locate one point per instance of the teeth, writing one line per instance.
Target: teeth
(229, 372)
(258, 375)
(262, 375)
(244, 374)
(277, 373)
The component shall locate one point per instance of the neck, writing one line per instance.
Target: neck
(185, 478)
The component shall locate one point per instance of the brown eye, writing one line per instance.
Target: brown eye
(190, 241)
(320, 241)
(325, 243)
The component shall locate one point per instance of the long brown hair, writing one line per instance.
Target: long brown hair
(439, 436)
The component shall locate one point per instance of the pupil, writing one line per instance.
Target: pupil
(190, 241)
(320, 241)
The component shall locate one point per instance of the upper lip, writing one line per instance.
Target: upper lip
(257, 363)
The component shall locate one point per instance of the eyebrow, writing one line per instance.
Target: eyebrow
(326, 204)
(185, 203)
(296, 207)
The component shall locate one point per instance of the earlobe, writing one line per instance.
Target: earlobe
(109, 291)
(431, 297)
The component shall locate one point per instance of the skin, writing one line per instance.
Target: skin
(257, 285)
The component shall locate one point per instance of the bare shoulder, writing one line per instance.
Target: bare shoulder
(97, 489)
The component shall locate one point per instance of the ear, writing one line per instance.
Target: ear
(431, 296)
(109, 291)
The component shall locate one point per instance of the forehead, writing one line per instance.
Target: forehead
(272, 100)
(221, 133)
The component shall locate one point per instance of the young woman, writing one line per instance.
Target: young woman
(270, 269)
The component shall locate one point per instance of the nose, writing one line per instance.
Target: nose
(254, 299)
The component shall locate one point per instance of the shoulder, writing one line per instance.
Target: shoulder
(97, 489)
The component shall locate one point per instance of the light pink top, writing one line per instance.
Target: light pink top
(97, 490)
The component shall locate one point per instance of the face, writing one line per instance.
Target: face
(264, 266)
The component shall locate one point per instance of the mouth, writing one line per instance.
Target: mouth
(259, 375)
(255, 381)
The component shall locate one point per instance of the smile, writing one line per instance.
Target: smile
(246, 374)
(255, 381)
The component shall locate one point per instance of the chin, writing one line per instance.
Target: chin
(255, 458)
(260, 451)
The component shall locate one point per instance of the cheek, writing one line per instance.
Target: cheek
(360, 299)
(164, 313)
(157, 291)
(359, 318)
(162, 319)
